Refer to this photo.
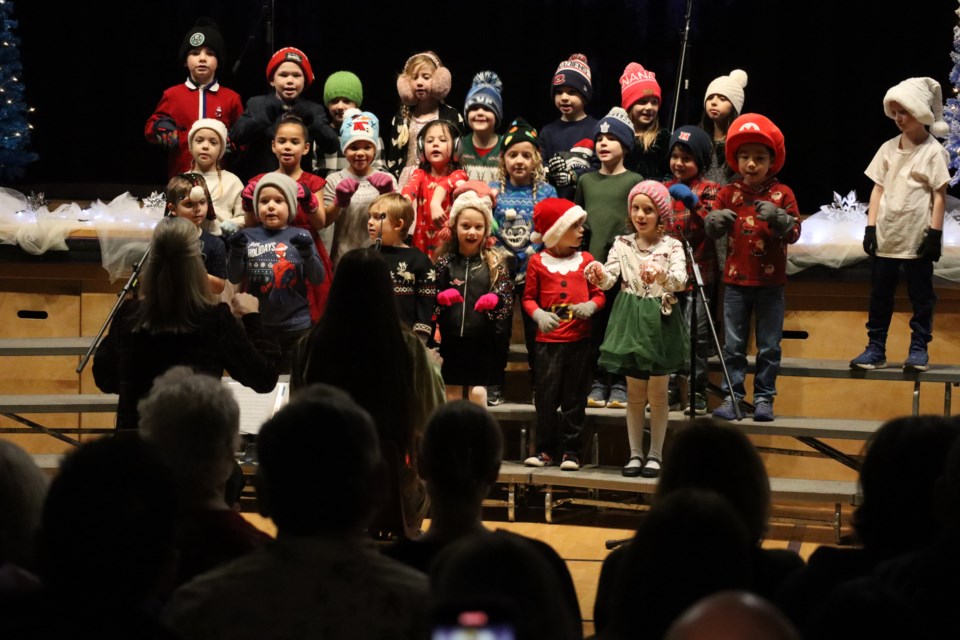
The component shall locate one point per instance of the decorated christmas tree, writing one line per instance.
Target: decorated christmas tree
(14, 128)
(951, 112)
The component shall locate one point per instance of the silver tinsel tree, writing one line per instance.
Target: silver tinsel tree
(951, 112)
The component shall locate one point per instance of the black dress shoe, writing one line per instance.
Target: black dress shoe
(632, 471)
(649, 470)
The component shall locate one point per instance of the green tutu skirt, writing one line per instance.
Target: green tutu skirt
(640, 341)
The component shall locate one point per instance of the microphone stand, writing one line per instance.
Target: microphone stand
(266, 16)
(131, 284)
(698, 290)
(683, 57)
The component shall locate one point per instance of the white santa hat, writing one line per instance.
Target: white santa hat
(552, 217)
(923, 99)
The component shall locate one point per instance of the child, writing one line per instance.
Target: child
(521, 184)
(431, 185)
(722, 104)
(693, 197)
(275, 260)
(201, 96)
(560, 300)
(290, 144)
(342, 91)
(414, 278)
(602, 194)
(645, 340)
(348, 192)
(484, 111)
(571, 90)
(290, 74)
(640, 97)
(208, 142)
(474, 292)
(188, 198)
(422, 86)
(762, 218)
(905, 219)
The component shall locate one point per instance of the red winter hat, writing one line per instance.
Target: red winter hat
(636, 83)
(290, 54)
(551, 219)
(753, 127)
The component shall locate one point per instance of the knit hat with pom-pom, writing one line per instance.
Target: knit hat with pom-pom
(485, 93)
(636, 83)
(730, 87)
(617, 124)
(922, 98)
(359, 125)
(470, 200)
(574, 72)
(552, 217)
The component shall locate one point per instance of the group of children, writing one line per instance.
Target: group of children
(586, 227)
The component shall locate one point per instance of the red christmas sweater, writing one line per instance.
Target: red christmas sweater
(756, 257)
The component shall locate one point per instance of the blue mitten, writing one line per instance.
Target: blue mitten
(683, 193)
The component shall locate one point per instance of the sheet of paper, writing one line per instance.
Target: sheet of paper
(257, 408)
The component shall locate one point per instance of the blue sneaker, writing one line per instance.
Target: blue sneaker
(916, 360)
(725, 411)
(763, 410)
(873, 357)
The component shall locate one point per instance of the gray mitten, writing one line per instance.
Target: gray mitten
(780, 221)
(546, 321)
(718, 222)
(583, 310)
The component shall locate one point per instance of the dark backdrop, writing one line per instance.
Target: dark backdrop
(95, 71)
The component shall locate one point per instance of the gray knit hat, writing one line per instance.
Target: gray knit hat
(287, 186)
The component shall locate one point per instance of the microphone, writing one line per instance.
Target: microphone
(378, 242)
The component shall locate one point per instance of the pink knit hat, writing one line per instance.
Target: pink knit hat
(657, 193)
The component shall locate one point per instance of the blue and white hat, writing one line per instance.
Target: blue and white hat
(359, 125)
(485, 92)
(616, 123)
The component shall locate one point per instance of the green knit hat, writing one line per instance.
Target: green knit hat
(343, 84)
(520, 131)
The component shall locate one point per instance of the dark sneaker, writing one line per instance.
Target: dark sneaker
(494, 395)
(599, 393)
(916, 360)
(763, 411)
(542, 459)
(570, 462)
(873, 357)
(618, 397)
(699, 405)
(725, 411)
(673, 398)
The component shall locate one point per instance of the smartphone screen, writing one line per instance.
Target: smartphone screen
(472, 625)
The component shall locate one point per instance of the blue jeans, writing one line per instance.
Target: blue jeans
(766, 306)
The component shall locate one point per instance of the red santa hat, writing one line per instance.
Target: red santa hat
(753, 127)
(552, 217)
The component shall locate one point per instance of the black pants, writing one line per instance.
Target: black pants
(563, 376)
(886, 275)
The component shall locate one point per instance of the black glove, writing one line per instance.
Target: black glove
(303, 244)
(238, 242)
(870, 240)
(718, 222)
(165, 131)
(779, 221)
(557, 167)
(930, 248)
(303, 112)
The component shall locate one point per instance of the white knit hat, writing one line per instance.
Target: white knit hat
(214, 125)
(730, 87)
(923, 99)
(470, 200)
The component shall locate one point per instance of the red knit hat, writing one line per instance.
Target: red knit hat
(290, 54)
(753, 127)
(552, 217)
(636, 83)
